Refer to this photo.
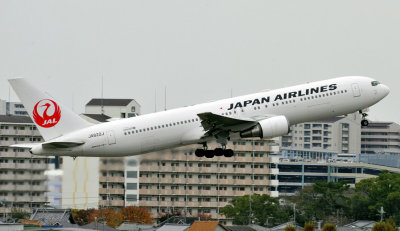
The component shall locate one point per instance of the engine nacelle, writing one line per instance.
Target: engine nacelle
(271, 127)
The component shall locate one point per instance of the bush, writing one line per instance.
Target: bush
(379, 226)
(309, 226)
(329, 227)
(290, 228)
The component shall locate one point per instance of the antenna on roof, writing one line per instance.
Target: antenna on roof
(102, 105)
(155, 99)
(9, 101)
(165, 98)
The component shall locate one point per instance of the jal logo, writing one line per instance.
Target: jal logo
(46, 113)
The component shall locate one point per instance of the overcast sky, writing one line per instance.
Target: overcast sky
(199, 50)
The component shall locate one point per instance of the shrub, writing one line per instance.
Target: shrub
(329, 227)
(379, 226)
(309, 226)
(290, 228)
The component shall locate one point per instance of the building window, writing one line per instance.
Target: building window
(131, 186)
(131, 174)
(132, 197)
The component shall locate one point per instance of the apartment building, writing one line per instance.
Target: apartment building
(115, 108)
(380, 137)
(12, 108)
(340, 134)
(176, 180)
(23, 179)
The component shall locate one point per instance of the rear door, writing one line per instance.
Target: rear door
(111, 138)
(356, 89)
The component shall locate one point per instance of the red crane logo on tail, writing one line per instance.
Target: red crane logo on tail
(46, 113)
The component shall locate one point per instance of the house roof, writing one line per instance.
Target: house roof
(109, 102)
(15, 119)
(205, 226)
(98, 117)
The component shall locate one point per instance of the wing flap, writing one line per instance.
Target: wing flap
(62, 144)
(215, 124)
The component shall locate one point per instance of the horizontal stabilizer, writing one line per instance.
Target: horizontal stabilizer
(27, 145)
(62, 144)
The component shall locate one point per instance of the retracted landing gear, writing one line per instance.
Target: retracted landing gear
(364, 121)
(200, 152)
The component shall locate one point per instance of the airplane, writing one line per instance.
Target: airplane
(264, 114)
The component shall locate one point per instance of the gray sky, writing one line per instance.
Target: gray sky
(199, 50)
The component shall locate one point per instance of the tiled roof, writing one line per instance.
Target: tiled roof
(109, 102)
(98, 117)
(205, 226)
(15, 119)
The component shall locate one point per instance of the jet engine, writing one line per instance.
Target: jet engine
(271, 127)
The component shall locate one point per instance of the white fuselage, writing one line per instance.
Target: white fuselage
(182, 126)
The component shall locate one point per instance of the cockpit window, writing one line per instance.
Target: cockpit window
(375, 83)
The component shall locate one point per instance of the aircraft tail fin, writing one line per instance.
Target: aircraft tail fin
(51, 118)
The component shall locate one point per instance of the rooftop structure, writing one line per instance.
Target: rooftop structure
(380, 137)
(12, 108)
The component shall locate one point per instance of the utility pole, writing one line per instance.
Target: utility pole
(294, 214)
(381, 212)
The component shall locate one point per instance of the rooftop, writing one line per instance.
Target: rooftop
(109, 102)
(15, 119)
(98, 117)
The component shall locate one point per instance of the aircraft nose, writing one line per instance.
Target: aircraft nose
(385, 90)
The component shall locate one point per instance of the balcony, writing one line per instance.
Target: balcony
(115, 179)
(8, 177)
(274, 171)
(261, 182)
(179, 180)
(206, 181)
(261, 171)
(178, 203)
(243, 182)
(165, 180)
(112, 167)
(247, 159)
(243, 170)
(241, 193)
(119, 203)
(143, 191)
(179, 192)
(166, 192)
(147, 168)
(119, 191)
(193, 192)
(22, 199)
(7, 165)
(40, 188)
(22, 188)
(226, 182)
(228, 193)
(148, 203)
(149, 180)
(208, 192)
(274, 183)
(193, 204)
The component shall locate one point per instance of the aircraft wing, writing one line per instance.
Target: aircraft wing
(217, 125)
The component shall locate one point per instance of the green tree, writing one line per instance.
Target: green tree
(19, 214)
(374, 193)
(322, 201)
(263, 207)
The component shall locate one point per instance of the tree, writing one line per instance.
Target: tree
(113, 218)
(262, 207)
(19, 214)
(322, 201)
(374, 193)
(136, 214)
(82, 216)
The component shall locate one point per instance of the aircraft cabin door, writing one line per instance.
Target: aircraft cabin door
(356, 89)
(111, 137)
